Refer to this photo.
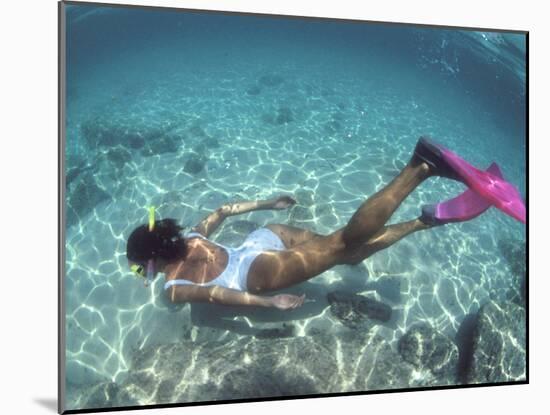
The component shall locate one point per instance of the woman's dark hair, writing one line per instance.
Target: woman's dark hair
(164, 241)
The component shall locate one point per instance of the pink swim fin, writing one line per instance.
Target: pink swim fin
(465, 206)
(488, 185)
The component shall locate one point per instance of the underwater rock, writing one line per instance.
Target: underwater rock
(169, 143)
(248, 384)
(211, 142)
(131, 132)
(252, 367)
(104, 395)
(85, 196)
(498, 344)
(345, 312)
(332, 127)
(246, 369)
(74, 172)
(353, 309)
(379, 366)
(282, 116)
(152, 133)
(338, 116)
(119, 156)
(194, 165)
(374, 309)
(197, 131)
(100, 132)
(254, 90)
(464, 339)
(314, 331)
(514, 252)
(523, 288)
(135, 141)
(165, 391)
(271, 80)
(90, 130)
(287, 330)
(425, 348)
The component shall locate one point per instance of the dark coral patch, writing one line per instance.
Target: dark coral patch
(271, 80)
(211, 142)
(84, 198)
(254, 90)
(283, 115)
(353, 310)
(194, 165)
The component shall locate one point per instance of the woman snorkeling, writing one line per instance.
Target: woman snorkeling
(279, 256)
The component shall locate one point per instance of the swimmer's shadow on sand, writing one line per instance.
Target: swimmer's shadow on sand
(264, 322)
(271, 322)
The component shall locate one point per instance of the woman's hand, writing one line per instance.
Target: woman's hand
(287, 301)
(283, 202)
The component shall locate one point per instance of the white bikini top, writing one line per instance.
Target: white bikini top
(239, 259)
(229, 278)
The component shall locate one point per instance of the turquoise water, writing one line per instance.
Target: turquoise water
(186, 111)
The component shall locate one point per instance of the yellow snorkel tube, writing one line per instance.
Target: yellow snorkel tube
(150, 264)
(151, 218)
(147, 272)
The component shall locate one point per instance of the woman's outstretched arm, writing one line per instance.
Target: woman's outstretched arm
(220, 295)
(209, 224)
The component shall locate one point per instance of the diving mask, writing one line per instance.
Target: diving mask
(145, 272)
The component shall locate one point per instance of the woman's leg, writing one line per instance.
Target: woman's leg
(388, 235)
(384, 238)
(280, 269)
(373, 214)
